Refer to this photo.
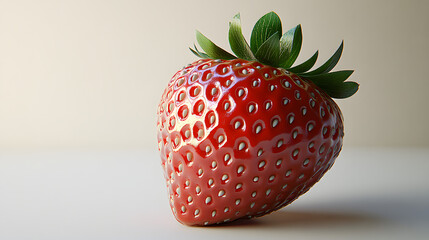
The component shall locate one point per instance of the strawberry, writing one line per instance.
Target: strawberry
(242, 136)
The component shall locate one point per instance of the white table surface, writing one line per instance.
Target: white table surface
(61, 195)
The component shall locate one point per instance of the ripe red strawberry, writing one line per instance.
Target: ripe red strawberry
(242, 137)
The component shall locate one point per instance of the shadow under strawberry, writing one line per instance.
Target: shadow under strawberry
(305, 219)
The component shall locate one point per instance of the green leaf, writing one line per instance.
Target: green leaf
(211, 49)
(195, 53)
(305, 66)
(330, 64)
(198, 53)
(328, 79)
(237, 41)
(204, 55)
(265, 27)
(343, 90)
(290, 46)
(268, 52)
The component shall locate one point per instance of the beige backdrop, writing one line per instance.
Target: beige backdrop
(89, 74)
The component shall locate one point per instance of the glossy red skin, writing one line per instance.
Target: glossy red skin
(279, 182)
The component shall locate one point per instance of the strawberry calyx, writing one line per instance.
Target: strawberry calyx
(269, 46)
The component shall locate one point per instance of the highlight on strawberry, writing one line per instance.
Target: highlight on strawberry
(243, 135)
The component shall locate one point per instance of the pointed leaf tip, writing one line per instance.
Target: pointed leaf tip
(212, 50)
(305, 66)
(290, 46)
(330, 63)
(327, 79)
(237, 41)
(198, 53)
(343, 90)
(265, 27)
